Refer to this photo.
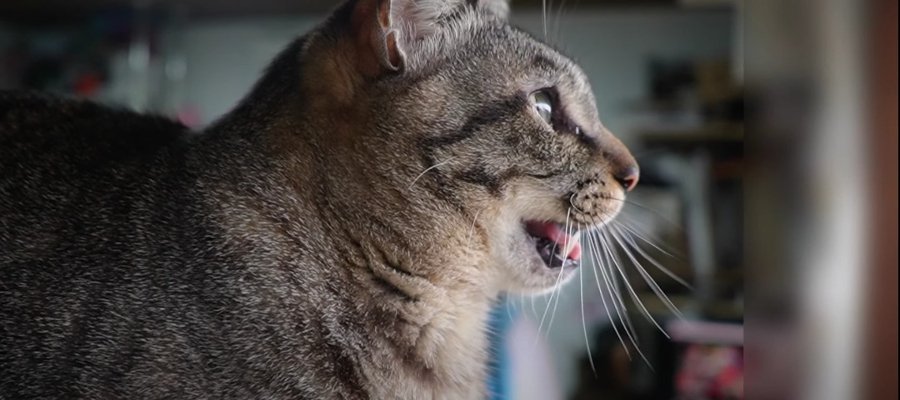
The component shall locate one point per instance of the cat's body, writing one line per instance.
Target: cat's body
(296, 249)
(160, 272)
(147, 264)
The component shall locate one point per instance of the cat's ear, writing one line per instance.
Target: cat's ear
(500, 8)
(377, 37)
(385, 31)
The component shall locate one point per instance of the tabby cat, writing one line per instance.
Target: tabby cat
(342, 233)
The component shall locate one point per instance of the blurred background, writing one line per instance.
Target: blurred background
(760, 146)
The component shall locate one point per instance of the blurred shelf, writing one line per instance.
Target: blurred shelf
(724, 140)
(719, 309)
(712, 134)
(699, 331)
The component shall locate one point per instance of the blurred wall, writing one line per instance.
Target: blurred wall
(614, 45)
(224, 58)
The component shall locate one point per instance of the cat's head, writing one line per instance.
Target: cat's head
(443, 108)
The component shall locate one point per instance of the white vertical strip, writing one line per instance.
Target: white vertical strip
(835, 268)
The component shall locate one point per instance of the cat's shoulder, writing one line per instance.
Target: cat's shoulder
(33, 122)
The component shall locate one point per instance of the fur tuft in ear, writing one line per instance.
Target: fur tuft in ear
(384, 29)
(418, 16)
(387, 31)
(500, 8)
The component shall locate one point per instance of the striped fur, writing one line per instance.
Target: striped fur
(342, 233)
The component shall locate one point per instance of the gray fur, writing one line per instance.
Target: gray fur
(295, 248)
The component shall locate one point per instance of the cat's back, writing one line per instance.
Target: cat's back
(95, 215)
(66, 166)
(43, 132)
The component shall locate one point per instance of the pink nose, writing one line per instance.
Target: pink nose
(628, 177)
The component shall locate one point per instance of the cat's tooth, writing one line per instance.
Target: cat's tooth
(571, 243)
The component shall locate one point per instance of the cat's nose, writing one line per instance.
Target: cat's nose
(622, 165)
(628, 176)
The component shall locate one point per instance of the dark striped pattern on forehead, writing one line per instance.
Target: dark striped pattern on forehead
(487, 115)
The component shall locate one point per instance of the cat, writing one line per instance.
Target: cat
(342, 233)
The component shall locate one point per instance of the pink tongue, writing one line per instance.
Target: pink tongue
(551, 231)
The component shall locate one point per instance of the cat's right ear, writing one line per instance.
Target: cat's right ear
(377, 38)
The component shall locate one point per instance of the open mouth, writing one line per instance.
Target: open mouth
(555, 247)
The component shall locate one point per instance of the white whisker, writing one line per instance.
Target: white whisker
(557, 25)
(426, 171)
(508, 312)
(561, 269)
(550, 301)
(472, 229)
(634, 295)
(615, 292)
(633, 336)
(645, 237)
(544, 15)
(646, 276)
(587, 343)
(533, 308)
(655, 213)
(616, 299)
(655, 263)
(594, 261)
(573, 206)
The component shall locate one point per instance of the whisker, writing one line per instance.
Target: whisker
(426, 171)
(557, 25)
(634, 336)
(654, 262)
(561, 268)
(565, 228)
(659, 215)
(646, 237)
(573, 206)
(508, 312)
(533, 309)
(547, 307)
(552, 293)
(613, 285)
(544, 15)
(646, 276)
(622, 313)
(472, 229)
(634, 295)
(594, 261)
(587, 343)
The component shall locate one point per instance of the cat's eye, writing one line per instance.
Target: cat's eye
(543, 105)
